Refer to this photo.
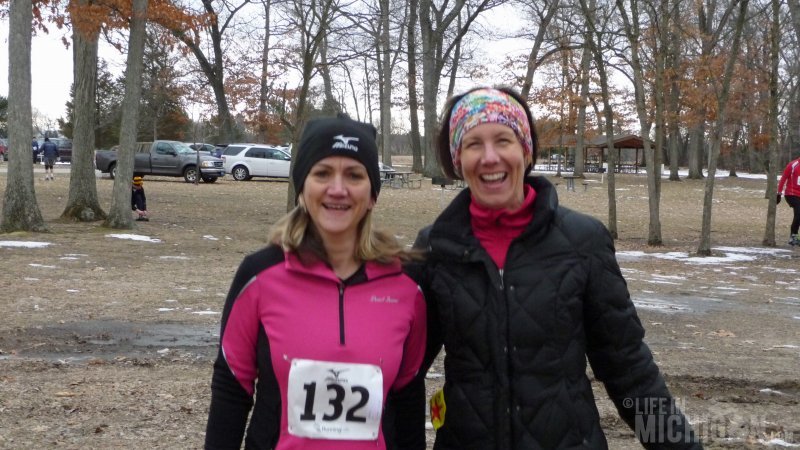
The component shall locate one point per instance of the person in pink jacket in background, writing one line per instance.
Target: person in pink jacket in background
(790, 181)
(322, 330)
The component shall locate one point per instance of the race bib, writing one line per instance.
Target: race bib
(331, 400)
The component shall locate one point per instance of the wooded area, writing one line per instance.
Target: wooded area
(708, 84)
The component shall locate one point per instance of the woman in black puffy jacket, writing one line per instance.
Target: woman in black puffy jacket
(521, 291)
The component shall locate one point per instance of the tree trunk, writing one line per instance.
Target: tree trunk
(384, 56)
(119, 215)
(533, 57)
(413, 104)
(430, 88)
(772, 171)
(82, 203)
(695, 151)
(704, 249)
(330, 106)
(673, 98)
(586, 60)
(597, 53)
(263, 93)
(20, 210)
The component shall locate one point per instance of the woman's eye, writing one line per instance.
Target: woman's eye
(357, 176)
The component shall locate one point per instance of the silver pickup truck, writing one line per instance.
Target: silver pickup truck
(164, 158)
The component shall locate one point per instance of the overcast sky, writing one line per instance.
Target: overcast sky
(51, 63)
(51, 70)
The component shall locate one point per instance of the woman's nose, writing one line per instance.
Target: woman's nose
(336, 187)
(490, 155)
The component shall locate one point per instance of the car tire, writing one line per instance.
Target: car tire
(240, 173)
(190, 174)
(112, 171)
(210, 179)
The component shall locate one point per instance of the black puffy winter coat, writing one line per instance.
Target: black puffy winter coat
(517, 340)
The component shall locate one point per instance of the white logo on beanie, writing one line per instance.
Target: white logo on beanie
(342, 141)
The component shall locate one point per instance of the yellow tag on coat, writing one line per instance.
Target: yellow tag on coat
(438, 409)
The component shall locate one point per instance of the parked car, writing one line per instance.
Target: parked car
(166, 158)
(209, 149)
(64, 149)
(244, 161)
(4, 149)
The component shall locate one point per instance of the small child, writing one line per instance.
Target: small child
(139, 200)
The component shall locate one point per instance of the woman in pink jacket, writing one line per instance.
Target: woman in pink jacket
(322, 330)
(790, 181)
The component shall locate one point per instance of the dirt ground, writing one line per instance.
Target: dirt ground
(108, 342)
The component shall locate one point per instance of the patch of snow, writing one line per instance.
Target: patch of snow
(134, 237)
(42, 266)
(210, 237)
(778, 442)
(30, 279)
(205, 313)
(24, 244)
(69, 258)
(669, 277)
(73, 290)
(165, 309)
(770, 391)
(662, 282)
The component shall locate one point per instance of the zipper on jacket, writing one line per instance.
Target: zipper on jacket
(341, 313)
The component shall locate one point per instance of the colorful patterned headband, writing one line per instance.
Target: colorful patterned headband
(488, 105)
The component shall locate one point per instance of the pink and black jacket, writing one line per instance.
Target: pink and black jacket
(279, 310)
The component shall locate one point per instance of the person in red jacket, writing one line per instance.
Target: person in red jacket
(322, 330)
(790, 181)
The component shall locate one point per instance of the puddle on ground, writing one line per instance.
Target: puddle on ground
(685, 304)
(81, 341)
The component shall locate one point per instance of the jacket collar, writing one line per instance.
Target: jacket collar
(321, 269)
(451, 233)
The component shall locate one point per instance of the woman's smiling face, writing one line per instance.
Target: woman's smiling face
(337, 194)
(493, 165)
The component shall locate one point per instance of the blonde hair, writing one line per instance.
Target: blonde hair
(295, 232)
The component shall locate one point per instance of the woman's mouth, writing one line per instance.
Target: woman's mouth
(494, 177)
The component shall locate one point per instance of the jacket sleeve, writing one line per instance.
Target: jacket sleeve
(787, 173)
(230, 401)
(419, 271)
(404, 418)
(620, 358)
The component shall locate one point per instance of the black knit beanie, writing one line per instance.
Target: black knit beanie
(337, 136)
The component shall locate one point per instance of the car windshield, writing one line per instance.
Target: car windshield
(182, 148)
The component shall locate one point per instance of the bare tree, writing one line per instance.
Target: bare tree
(772, 171)
(632, 28)
(213, 65)
(20, 210)
(312, 20)
(82, 203)
(435, 21)
(704, 248)
(413, 103)
(597, 33)
(543, 13)
(120, 213)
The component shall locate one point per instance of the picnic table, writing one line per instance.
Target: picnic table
(402, 179)
(570, 179)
